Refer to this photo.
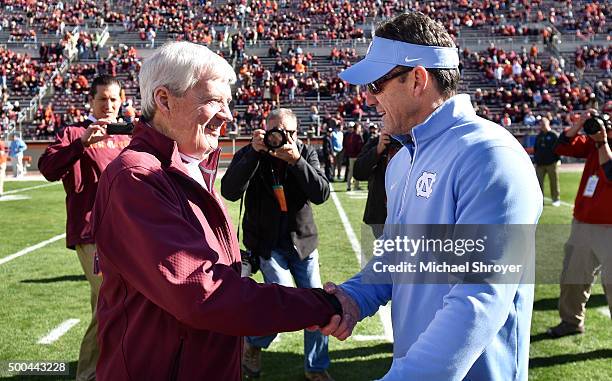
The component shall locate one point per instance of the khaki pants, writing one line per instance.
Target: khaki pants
(2, 176)
(349, 175)
(88, 355)
(587, 253)
(552, 170)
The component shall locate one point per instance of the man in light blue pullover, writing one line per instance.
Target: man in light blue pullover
(16, 150)
(455, 168)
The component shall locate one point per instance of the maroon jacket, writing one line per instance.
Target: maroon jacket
(353, 143)
(173, 305)
(79, 168)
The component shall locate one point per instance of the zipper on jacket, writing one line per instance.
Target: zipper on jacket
(174, 370)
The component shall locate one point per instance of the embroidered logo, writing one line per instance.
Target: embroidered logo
(408, 59)
(424, 184)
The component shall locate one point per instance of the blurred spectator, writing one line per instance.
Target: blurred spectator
(353, 143)
(16, 150)
(546, 160)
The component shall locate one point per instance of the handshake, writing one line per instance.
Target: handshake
(341, 327)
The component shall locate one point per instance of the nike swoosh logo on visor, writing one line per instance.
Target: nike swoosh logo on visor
(408, 59)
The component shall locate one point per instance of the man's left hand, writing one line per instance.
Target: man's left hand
(289, 152)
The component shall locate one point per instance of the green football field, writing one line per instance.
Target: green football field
(44, 288)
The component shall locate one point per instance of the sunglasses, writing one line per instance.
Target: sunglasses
(376, 87)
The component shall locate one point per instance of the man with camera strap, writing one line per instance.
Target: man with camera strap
(280, 177)
(78, 157)
(587, 251)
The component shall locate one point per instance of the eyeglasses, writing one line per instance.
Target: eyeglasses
(376, 87)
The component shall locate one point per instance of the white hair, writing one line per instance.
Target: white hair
(179, 66)
(283, 114)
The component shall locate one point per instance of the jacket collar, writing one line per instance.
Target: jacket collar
(166, 150)
(443, 118)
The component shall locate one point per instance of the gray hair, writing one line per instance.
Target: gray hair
(179, 66)
(283, 114)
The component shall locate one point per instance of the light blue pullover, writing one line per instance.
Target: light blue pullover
(482, 176)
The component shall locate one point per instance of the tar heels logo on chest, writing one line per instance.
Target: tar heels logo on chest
(424, 185)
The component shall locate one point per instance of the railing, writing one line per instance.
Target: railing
(29, 112)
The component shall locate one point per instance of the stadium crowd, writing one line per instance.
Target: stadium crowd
(519, 86)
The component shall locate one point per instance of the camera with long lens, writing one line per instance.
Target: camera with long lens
(275, 138)
(593, 125)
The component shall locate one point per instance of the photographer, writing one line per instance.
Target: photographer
(78, 156)
(281, 177)
(371, 165)
(587, 250)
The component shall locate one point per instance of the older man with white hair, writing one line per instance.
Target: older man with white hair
(173, 305)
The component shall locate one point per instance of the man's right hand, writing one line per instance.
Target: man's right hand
(95, 132)
(258, 141)
(341, 327)
(383, 140)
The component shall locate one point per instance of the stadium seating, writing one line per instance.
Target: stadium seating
(315, 40)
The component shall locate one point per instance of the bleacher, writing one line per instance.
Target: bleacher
(510, 27)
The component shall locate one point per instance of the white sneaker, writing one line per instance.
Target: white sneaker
(556, 203)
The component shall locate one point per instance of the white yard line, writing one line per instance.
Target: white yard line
(605, 311)
(31, 248)
(369, 338)
(30, 188)
(562, 202)
(384, 311)
(58, 332)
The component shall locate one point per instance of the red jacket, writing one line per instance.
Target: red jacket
(79, 168)
(173, 305)
(353, 143)
(596, 209)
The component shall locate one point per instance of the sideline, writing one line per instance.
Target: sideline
(30, 188)
(384, 312)
(58, 332)
(31, 248)
(562, 202)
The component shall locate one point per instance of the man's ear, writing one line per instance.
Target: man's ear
(421, 80)
(161, 98)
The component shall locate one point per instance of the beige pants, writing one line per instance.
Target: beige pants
(349, 175)
(2, 176)
(552, 170)
(88, 355)
(587, 253)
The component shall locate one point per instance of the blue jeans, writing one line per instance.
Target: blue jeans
(282, 268)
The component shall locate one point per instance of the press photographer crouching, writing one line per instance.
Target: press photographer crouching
(281, 177)
(587, 251)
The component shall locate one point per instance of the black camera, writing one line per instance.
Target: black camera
(250, 263)
(119, 128)
(275, 138)
(594, 123)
